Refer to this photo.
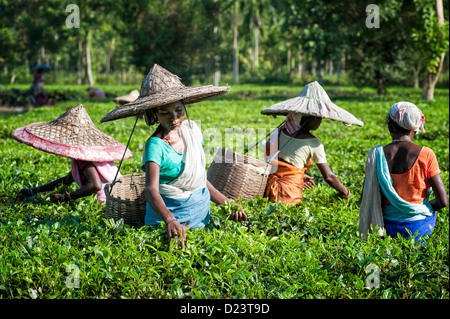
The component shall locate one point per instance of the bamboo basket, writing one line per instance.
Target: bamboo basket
(127, 199)
(238, 176)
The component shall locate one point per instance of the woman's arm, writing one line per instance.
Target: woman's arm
(441, 198)
(220, 199)
(92, 186)
(173, 227)
(66, 180)
(332, 180)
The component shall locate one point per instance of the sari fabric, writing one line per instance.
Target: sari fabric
(187, 197)
(286, 184)
(193, 211)
(106, 171)
(370, 210)
(400, 217)
(399, 209)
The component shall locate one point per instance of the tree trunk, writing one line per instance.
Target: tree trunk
(258, 22)
(343, 60)
(432, 77)
(321, 67)
(124, 76)
(300, 63)
(109, 49)
(88, 58)
(235, 44)
(380, 84)
(338, 68)
(416, 72)
(289, 58)
(80, 61)
(255, 49)
(216, 61)
(130, 74)
(235, 56)
(313, 68)
(108, 68)
(431, 80)
(330, 67)
(55, 70)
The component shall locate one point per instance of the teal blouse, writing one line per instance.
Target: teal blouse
(170, 162)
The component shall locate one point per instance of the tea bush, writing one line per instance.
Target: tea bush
(310, 251)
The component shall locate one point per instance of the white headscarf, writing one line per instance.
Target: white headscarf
(407, 116)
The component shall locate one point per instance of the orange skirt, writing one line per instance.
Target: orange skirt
(286, 184)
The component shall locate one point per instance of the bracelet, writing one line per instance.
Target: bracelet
(171, 220)
(66, 197)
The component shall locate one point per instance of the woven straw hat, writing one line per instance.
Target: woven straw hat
(130, 97)
(160, 87)
(72, 135)
(314, 101)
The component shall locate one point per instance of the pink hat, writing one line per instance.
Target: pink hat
(72, 135)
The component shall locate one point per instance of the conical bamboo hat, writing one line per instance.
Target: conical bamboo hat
(314, 101)
(72, 135)
(160, 87)
(130, 97)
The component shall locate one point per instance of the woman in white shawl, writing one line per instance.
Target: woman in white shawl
(177, 190)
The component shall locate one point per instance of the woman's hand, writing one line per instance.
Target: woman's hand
(27, 192)
(56, 198)
(345, 195)
(308, 182)
(237, 215)
(176, 230)
(59, 198)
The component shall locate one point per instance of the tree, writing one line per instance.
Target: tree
(430, 39)
(378, 55)
(236, 21)
(317, 29)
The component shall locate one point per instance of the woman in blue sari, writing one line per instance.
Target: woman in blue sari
(177, 190)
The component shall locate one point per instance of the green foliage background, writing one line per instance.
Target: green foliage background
(309, 251)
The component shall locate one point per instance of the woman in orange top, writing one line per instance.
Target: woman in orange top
(406, 173)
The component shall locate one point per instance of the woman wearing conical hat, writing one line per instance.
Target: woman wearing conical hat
(74, 135)
(293, 148)
(177, 190)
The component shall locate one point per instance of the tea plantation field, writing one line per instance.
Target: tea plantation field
(310, 251)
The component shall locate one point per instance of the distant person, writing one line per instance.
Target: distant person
(95, 93)
(399, 179)
(36, 92)
(74, 135)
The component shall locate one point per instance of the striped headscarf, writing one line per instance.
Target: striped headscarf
(407, 116)
(292, 125)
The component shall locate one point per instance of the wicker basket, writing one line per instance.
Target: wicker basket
(238, 176)
(127, 199)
